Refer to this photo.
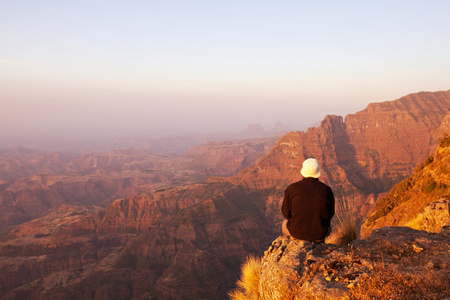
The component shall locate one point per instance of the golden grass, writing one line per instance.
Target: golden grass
(347, 226)
(429, 223)
(237, 295)
(248, 283)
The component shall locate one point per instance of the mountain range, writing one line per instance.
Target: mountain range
(162, 240)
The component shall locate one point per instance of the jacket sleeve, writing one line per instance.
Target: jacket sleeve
(286, 207)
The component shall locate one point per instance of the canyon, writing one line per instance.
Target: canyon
(32, 183)
(129, 224)
(404, 252)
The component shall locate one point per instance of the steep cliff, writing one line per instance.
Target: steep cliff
(363, 157)
(183, 243)
(408, 201)
(367, 152)
(393, 137)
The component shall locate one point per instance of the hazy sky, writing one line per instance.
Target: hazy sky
(104, 68)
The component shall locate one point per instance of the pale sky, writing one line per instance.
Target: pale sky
(129, 68)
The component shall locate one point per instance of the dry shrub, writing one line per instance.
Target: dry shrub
(387, 283)
(428, 223)
(347, 225)
(248, 283)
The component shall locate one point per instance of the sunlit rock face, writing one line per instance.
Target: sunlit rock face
(364, 155)
(421, 201)
(386, 139)
(392, 137)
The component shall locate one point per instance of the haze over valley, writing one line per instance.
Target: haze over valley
(131, 224)
(101, 70)
(145, 147)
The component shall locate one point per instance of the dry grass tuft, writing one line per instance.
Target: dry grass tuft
(430, 224)
(237, 295)
(248, 284)
(347, 225)
(387, 283)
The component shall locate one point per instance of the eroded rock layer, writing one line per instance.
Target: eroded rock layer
(188, 241)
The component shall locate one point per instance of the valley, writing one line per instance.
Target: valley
(32, 183)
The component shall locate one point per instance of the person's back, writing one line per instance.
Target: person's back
(308, 205)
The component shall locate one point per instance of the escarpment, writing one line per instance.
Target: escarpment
(362, 157)
(384, 141)
(421, 200)
(393, 137)
(174, 235)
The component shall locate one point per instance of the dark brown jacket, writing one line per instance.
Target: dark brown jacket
(308, 206)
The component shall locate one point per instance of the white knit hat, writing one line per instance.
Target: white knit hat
(311, 168)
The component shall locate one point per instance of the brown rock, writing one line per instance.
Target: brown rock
(293, 269)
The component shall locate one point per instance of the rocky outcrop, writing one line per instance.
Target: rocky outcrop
(293, 269)
(438, 212)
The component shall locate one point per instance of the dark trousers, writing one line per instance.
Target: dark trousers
(286, 232)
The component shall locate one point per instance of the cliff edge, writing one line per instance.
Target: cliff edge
(392, 263)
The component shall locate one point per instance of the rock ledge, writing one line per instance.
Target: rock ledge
(294, 269)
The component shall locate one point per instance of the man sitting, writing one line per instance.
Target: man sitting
(308, 206)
